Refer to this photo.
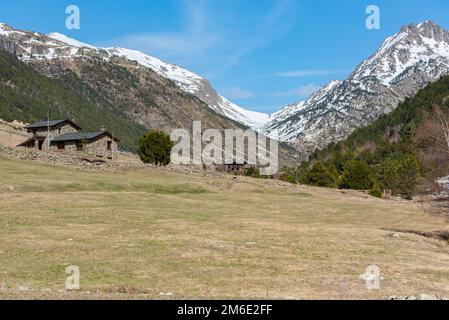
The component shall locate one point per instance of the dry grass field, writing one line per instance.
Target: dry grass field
(152, 234)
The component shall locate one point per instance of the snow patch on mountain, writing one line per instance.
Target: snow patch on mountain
(71, 42)
(196, 85)
(3, 30)
(252, 119)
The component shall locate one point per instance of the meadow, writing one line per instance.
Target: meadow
(155, 234)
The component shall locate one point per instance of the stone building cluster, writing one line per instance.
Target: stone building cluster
(66, 136)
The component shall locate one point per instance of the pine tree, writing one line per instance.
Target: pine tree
(320, 176)
(155, 148)
(357, 176)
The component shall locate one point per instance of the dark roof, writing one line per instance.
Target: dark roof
(26, 142)
(79, 136)
(51, 124)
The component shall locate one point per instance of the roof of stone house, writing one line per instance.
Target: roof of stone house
(26, 142)
(51, 124)
(79, 136)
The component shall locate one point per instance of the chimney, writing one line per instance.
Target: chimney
(102, 129)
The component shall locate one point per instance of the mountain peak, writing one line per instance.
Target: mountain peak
(4, 29)
(427, 29)
(413, 44)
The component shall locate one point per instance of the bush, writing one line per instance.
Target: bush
(289, 176)
(357, 176)
(376, 191)
(253, 172)
(320, 176)
(155, 148)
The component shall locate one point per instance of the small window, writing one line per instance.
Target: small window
(79, 146)
(109, 145)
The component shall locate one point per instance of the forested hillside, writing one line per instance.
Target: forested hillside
(404, 151)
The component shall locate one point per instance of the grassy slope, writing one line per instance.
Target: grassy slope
(154, 231)
(27, 95)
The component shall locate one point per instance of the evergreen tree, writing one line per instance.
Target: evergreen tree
(320, 176)
(155, 148)
(357, 176)
(388, 175)
(409, 173)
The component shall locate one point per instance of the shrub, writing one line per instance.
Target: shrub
(357, 176)
(376, 191)
(320, 176)
(155, 148)
(288, 176)
(253, 172)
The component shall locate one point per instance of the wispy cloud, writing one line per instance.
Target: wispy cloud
(237, 93)
(211, 39)
(308, 73)
(302, 92)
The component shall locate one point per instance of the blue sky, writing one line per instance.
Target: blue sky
(261, 54)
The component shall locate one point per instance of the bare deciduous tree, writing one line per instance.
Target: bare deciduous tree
(443, 118)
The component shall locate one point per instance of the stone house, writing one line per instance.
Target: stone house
(66, 136)
(234, 168)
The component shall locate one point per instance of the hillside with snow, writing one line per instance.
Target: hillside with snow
(61, 46)
(405, 63)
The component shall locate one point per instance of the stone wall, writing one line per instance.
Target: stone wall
(77, 159)
(99, 147)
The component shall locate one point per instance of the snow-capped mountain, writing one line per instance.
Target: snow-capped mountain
(405, 63)
(196, 85)
(56, 45)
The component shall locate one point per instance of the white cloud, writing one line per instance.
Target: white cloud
(237, 93)
(307, 73)
(303, 91)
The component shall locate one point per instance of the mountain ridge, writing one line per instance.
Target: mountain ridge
(405, 63)
(185, 79)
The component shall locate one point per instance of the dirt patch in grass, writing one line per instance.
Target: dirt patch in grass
(442, 235)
